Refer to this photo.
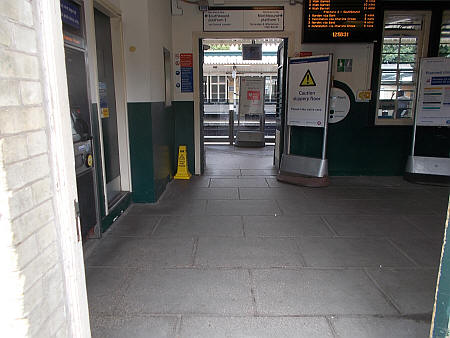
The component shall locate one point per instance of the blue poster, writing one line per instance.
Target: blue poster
(70, 14)
(187, 80)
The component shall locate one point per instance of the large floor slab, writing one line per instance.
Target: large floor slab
(317, 292)
(136, 326)
(250, 327)
(242, 207)
(200, 225)
(411, 290)
(285, 226)
(189, 291)
(351, 252)
(392, 226)
(381, 327)
(143, 252)
(248, 252)
(236, 253)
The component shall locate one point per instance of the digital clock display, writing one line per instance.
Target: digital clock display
(339, 21)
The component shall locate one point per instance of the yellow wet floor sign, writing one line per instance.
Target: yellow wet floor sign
(182, 169)
(308, 80)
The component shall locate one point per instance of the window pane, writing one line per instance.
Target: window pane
(403, 22)
(407, 76)
(398, 66)
(387, 94)
(408, 48)
(388, 76)
(386, 109)
(213, 79)
(407, 58)
(389, 58)
(444, 45)
(221, 79)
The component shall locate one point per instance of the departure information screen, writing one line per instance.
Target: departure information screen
(339, 21)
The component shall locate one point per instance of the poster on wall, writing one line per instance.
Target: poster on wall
(251, 96)
(187, 73)
(339, 105)
(308, 91)
(433, 101)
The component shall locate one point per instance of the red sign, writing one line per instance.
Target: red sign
(254, 95)
(186, 59)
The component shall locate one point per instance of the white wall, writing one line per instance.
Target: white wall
(137, 63)
(191, 21)
(360, 53)
(147, 27)
(160, 34)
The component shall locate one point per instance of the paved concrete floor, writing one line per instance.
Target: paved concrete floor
(235, 253)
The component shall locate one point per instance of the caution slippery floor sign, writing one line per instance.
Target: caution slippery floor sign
(308, 80)
(308, 91)
(182, 169)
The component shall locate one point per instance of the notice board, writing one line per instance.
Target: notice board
(433, 101)
(339, 20)
(251, 95)
(308, 91)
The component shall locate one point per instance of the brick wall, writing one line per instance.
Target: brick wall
(33, 291)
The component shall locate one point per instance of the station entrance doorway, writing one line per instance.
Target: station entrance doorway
(223, 69)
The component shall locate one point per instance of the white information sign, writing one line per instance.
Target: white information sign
(248, 20)
(251, 96)
(339, 105)
(433, 102)
(308, 91)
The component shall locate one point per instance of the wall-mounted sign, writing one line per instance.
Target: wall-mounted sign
(363, 96)
(103, 95)
(339, 21)
(243, 19)
(308, 90)
(433, 101)
(345, 65)
(251, 95)
(184, 62)
(71, 14)
(339, 105)
(252, 51)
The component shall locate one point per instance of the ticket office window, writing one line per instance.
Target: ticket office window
(444, 41)
(403, 45)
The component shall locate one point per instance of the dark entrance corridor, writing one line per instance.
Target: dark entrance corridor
(235, 253)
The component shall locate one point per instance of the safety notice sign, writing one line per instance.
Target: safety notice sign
(251, 95)
(308, 91)
(433, 102)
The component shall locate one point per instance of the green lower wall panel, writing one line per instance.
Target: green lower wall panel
(155, 133)
(141, 152)
(442, 314)
(184, 130)
(355, 147)
(115, 213)
(163, 146)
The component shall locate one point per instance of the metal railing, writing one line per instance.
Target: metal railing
(221, 122)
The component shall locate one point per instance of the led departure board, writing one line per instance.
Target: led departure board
(339, 21)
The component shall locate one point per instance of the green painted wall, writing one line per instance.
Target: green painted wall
(141, 152)
(155, 133)
(442, 313)
(184, 130)
(163, 146)
(355, 147)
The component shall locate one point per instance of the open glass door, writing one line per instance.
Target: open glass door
(280, 108)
